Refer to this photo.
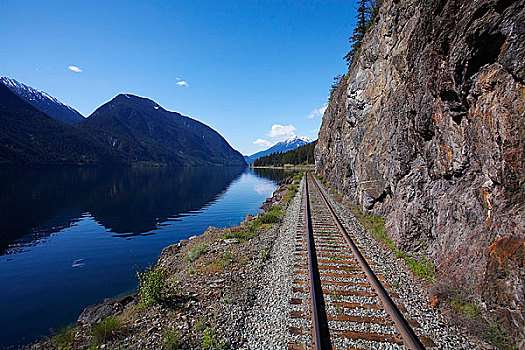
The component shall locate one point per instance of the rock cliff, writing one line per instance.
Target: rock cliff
(427, 129)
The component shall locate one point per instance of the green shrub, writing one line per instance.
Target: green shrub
(269, 218)
(242, 235)
(209, 339)
(264, 255)
(499, 339)
(488, 328)
(62, 340)
(375, 224)
(422, 268)
(276, 210)
(172, 340)
(216, 264)
(297, 177)
(400, 254)
(249, 230)
(195, 252)
(465, 307)
(272, 216)
(106, 329)
(152, 285)
(290, 193)
(199, 325)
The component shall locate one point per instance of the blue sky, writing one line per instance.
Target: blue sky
(255, 71)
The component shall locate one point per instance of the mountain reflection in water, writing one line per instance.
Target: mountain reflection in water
(127, 201)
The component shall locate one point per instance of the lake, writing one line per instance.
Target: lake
(72, 237)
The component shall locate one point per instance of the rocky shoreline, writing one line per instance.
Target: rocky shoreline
(209, 286)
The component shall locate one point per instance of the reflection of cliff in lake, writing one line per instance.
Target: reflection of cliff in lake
(37, 202)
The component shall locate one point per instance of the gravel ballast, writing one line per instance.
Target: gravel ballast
(267, 325)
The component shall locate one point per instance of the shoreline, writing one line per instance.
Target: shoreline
(295, 167)
(204, 276)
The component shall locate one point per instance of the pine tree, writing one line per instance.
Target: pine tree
(356, 39)
(373, 10)
(367, 11)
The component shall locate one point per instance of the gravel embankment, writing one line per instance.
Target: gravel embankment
(267, 325)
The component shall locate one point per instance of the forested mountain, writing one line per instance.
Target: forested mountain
(284, 146)
(301, 155)
(43, 102)
(30, 137)
(144, 133)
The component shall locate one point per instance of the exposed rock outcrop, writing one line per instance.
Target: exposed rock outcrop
(428, 130)
(111, 306)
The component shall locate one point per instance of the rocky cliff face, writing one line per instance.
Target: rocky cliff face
(428, 130)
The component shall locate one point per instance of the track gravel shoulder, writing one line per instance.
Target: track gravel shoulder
(267, 326)
(267, 323)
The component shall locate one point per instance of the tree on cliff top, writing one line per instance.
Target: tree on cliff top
(356, 40)
(367, 11)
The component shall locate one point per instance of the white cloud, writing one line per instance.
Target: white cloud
(281, 132)
(262, 142)
(182, 83)
(318, 112)
(278, 133)
(74, 69)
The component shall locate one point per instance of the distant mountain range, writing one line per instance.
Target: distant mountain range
(300, 156)
(28, 137)
(127, 131)
(43, 102)
(284, 146)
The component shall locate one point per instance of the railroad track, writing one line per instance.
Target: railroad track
(338, 302)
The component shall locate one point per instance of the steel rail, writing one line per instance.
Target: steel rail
(408, 335)
(316, 334)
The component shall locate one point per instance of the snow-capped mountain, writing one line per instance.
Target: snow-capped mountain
(297, 140)
(283, 146)
(43, 102)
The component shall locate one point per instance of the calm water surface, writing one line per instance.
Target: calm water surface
(72, 237)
